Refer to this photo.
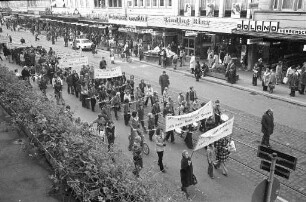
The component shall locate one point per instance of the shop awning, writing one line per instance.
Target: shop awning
(270, 35)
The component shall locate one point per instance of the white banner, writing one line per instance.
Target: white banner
(215, 134)
(75, 63)
(74, 54)
(204, 112)
(108, 73)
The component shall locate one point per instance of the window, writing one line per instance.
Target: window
(135, 2)
(288, 4)
(129, 3)
(275, 4)
(148, 3)
(300, 4)
(169, 2)
(162, 2)
(115, 3)
(141, 3)
(154, 2)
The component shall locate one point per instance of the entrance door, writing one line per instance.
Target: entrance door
(189, 45)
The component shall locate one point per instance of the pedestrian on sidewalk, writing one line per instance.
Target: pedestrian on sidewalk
(279, 72)
(174, 61)
(303, 79)
(160, 148)
(255, 74)
(192, 63)
(182, 53)
(197, 71)
(266, 79)
(267, 127)
(260, 68)
(210, 158)
(186, 172)
(272, 81)
(293, 81)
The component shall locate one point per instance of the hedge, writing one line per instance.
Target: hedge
(79, 159)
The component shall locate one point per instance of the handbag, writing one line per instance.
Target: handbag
(231, 146)
(194, 180)
(285, 80)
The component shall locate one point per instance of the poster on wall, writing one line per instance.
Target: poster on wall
(236, 10)
(187, 9)
(210, 8)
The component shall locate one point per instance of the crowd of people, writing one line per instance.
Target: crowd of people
(295, 77)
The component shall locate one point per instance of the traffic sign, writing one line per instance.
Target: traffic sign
(283, 159)
(280, 171)
(259, 194)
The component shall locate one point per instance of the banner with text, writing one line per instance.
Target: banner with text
(108, 73)
(75, 63)
(204, 112)
(215, 134)
(70, 55)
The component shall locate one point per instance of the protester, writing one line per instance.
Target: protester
(151, 126)
(267, 127)
(210, 155)
(160, 147)
(137, 157)
(222, 154)
(110, 135)
(149, 92)
(102, 63)
(186, 172)
(156, 111)
(293, 81)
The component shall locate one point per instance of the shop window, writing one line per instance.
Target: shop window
(287, 4)
(161, 2)
(148, 3)
(135, 2)
(154, 2)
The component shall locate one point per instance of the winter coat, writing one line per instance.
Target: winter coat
(267, 124)
(186, 173)
(303, 78)
(293, 80)
(164, 80)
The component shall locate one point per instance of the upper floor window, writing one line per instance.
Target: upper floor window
(115, 3)
(135, 2)
(141, 3)
(169, 2)
(148, 3)
(275, 4)
(154, 2)
(300, 4)
(287, 4)
(162, 2)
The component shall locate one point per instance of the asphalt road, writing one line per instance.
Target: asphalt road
(289, 135)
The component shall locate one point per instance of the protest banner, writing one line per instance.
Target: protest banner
(215, 134)
(4, 39)
(64, 55)
(204, 112)
(75, 63)
(107, 73)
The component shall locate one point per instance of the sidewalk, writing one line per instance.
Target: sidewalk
(281, 91)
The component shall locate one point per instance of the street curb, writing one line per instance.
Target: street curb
(216, 80)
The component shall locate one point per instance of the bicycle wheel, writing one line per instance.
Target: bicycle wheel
(145, 148)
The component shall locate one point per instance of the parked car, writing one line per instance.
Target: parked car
(82, 43)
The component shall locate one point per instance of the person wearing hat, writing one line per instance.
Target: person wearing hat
(164, 81)
(267, 127)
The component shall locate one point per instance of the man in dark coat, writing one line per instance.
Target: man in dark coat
(164, 81)
(186, 172)
(267, 126)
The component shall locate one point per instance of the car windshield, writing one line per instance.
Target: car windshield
(86, 41)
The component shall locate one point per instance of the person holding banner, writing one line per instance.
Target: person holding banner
(186, 172)
(222, 154)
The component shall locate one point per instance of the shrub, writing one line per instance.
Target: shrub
(80, 160)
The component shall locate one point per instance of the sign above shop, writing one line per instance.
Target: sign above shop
(135, 30)
(191, 33)
(292, 31)
(136, 20)
(258, 26)
(186, 21)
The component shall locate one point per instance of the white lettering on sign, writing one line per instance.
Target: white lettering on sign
(186, 21)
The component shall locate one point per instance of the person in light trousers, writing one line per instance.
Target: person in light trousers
(160, 147)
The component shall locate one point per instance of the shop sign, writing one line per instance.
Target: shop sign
(191, 33)
(134, 30)
(102, 17)
(254, 41)
(136, 20)
(186, 21)
(259, 26)
(117, 17)
(292, 31)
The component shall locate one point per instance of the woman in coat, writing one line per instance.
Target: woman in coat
(222, 154)
(303, 79)
(192, 63)
(186, 172)
(266, 79)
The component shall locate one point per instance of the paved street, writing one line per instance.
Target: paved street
(246, 107)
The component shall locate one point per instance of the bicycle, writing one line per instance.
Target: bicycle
(144, 146)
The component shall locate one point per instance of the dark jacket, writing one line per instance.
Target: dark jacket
(186, 173)
(267, 124)
(164, 80)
